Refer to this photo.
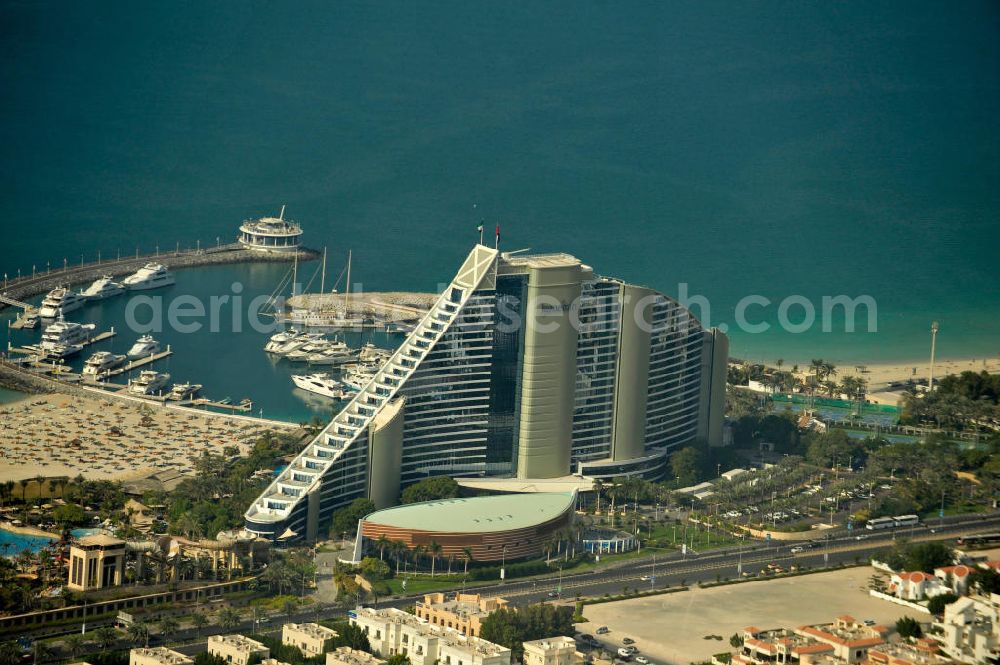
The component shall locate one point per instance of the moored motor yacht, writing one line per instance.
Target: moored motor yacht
(149, 382)
(297, 343)
(105, 287)
(59, 302)
(144, 346)
(321, 384)
(101, 362)
(277, 340)
(333, 356)
(180, 391)
(66, 333)
(150, 276)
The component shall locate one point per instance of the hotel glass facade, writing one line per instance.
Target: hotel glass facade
(525, 366)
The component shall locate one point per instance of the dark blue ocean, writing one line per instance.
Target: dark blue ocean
(773, 148)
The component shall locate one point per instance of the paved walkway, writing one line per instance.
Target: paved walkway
(326, 589)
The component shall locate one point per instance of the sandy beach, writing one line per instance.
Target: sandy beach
(63, 435)
(882, 374)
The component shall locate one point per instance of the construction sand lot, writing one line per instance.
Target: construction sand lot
(671, 628)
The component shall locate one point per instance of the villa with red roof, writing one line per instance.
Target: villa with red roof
(955, 577)
(916, 585)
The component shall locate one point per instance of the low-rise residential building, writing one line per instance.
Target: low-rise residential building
(920, 652)
(349, 656)
(236, 649)
(463, 612)
(311, 639)
(457, 649)
(157, 656)
(552, 651)
(272, 661)
(842, 641)
(956, 578)
(391, 631)
(778, 645)
(916, 585)
(849, 639)
(969, 630)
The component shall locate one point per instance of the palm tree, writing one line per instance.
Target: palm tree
(277, 575)
(24, 482)
(74, 643)
(168, 625)
(106, 637)
(188, 526)
(229, 618)
(598, 488)
(39, 485)
(434, 549)
(418, 552)
(199, 621)
(382, 543)
(467, 555)
(138, 632)
(43, 651)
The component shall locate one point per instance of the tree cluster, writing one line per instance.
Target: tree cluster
(430, 489)
(512, 627)
(917, 556)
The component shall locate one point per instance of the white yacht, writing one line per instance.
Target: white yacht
(66, 333)
(150, 276)
(372, 354)
(180, 391)
(60, 351)
(321, 384)
(278, 339)
(357, 379)
(303, 352)
(102, 362)
(59, 301)
(148, 383)
(297, 343)
(103, 288)
(144, 346)
(333, 356)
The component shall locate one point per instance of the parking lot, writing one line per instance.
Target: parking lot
(691, 626)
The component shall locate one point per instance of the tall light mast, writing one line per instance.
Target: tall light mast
(930, 378)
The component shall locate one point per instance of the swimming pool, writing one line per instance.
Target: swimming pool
(12, 544)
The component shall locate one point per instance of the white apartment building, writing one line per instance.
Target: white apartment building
(349, 656)
(311, 639)
(552, 651)
(970, 629)
(391, 631)
(157, 656)
(236, 649)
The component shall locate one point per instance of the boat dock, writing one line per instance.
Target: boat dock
(141, 362)
(22, 319)
(33, 350)
(244, 405)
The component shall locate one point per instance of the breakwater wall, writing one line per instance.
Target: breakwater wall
(26, 286)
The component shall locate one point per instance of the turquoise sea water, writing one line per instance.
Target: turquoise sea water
(7, 396)
(226, 357)
(772, 148)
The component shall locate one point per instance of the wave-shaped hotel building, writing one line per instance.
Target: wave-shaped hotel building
(527, 367)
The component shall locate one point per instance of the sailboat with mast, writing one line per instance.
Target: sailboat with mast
(316, 315)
